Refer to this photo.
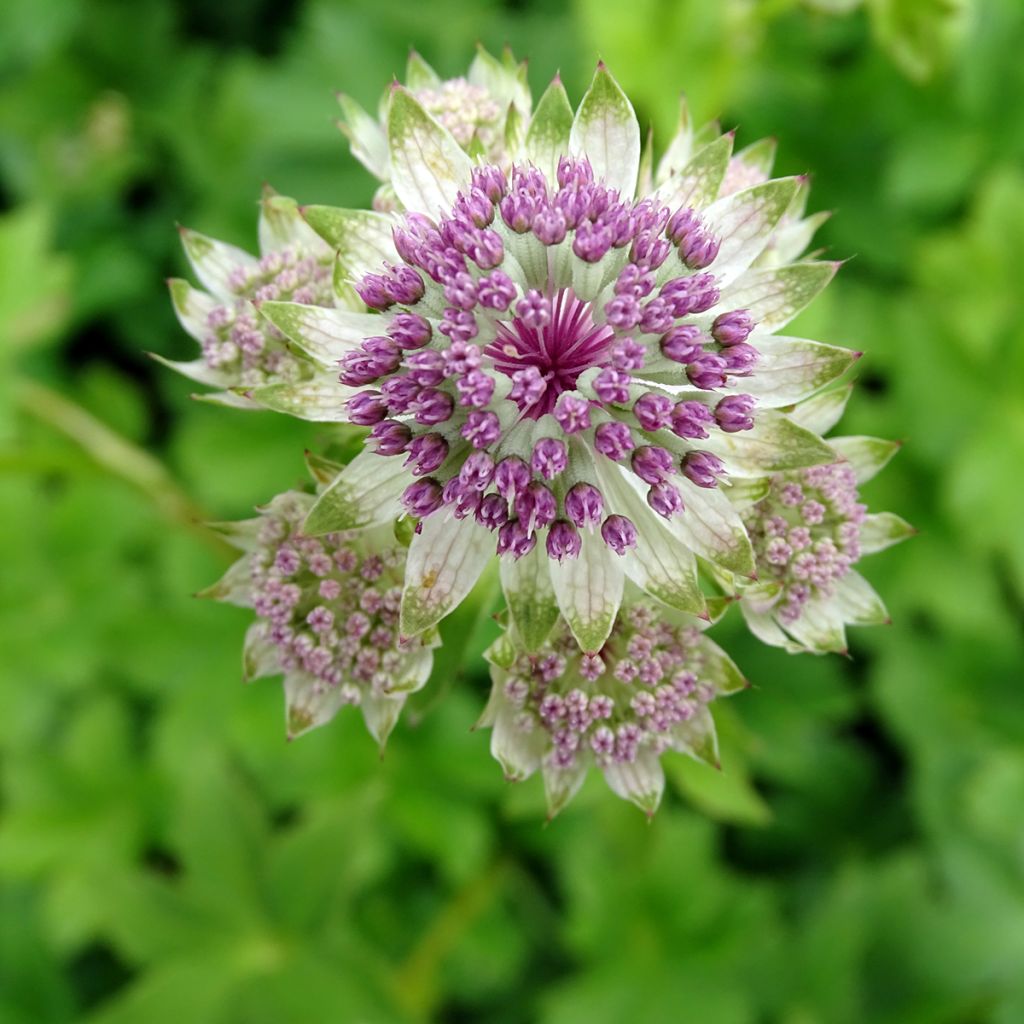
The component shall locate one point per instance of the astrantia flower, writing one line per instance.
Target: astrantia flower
(647, 691)
(327, 616)
(486, 111)
(241, 352)
(808, 531)
(560, 372)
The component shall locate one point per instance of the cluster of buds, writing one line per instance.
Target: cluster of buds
(562, 359)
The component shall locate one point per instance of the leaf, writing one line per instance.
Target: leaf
(320, 399)
(606, 132)
(858, 602)
(213, 262)
(547, 137)
(712, 528)
(641, 781)
(446, 558)
(428, 167)
(822, 412)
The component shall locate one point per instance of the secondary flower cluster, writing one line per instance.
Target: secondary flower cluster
(561, 710)
(562, 361)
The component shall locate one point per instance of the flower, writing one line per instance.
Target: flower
(561, 711)
(241, 351)
(561, 372)
(327, 616)
(809, 530)
(485, 111)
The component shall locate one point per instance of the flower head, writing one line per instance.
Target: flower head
(647, 691)
(326, 617)
(485, 111)
(240, 351)
(808, 532)
(569, 373)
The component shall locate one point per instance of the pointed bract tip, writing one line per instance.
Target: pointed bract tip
(731, 133)
(753, 576)
(557, 80)
(396, 86)
(718, 765)
(857, 354)
(805, 178)
(601, 66)
(704, 616)
(888, 621)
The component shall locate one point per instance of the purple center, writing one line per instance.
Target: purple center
(558, 339)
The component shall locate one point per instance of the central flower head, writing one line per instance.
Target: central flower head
(548, 344)
(535, 330)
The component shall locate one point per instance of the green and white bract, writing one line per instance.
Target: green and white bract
(327, 615)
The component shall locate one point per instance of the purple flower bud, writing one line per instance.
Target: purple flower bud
(366, 408)
(391, 437)
(681, 224)
(477, 206)
(707, 371)
(400, 392)
(475, 389)
(517, 211)
(374, 291)
(691, 419)
(653, 411)
(481, 429)
(404, 285)
(733, 327)
(528, 387)
(665, 499)
(408, 330)
(649, 251)
(514, 539)
(426, 453)
(496, 291)
(584, 505)
(591, 242)
(425, 367)
(574, 172)
(533, 309)
(739, 359)
(699, 251)
(458, 324)
(464, 501)
(612, 386)
(487, 249)
(550, 457)
(733, 413)
(493, 512)
(460, 291)
(614, 440)
(563, 541)
(572, 413)
(690, 294)
(658, 316)
(627, 354)
(619, 533)
(549, 226)
(511, 476)
(536, 506)
(433, 406)
(477, 471)
(490, 180)
(702, 468)
(422, 497)
(683, 343)
(635, 281)
(623, 311)
(652, 464)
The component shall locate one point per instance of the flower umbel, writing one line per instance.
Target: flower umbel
(327, 617)
(568, 374)
(645, 692)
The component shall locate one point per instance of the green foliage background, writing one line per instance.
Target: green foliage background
(166, 857)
